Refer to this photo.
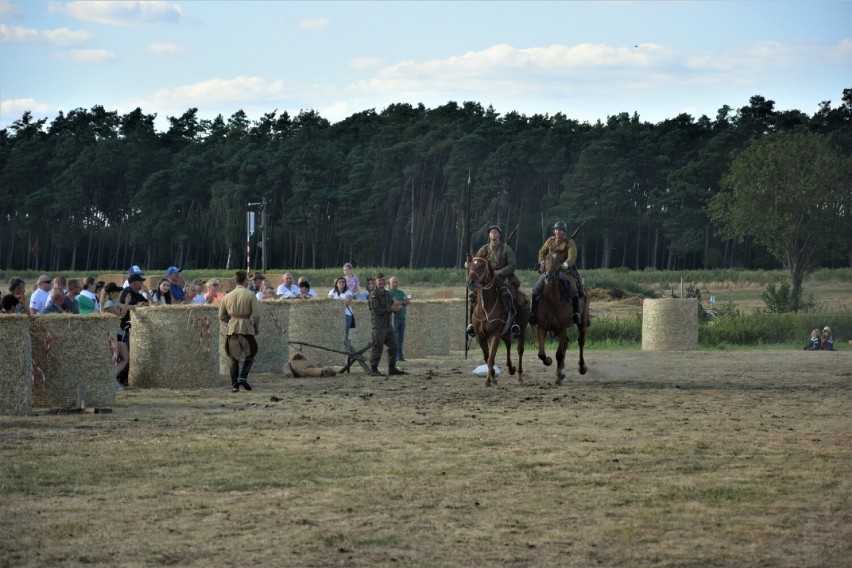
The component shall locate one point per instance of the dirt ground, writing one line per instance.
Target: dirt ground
(706, 458)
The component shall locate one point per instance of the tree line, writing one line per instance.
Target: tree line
(97, 190)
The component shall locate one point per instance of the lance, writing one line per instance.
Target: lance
(467, 255)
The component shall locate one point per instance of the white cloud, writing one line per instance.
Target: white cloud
(88, 55)
(365, 63)
(13, 109)
(121, 13)
(314, 23)
(63, 37)
(8, 10)
(222, 90)
(165, 49)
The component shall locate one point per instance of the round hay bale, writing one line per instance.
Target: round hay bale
(430, 327)
(16, 366)
(175, 346)
(272, 342)
(319, 321)
(70, 351)
(670, 324)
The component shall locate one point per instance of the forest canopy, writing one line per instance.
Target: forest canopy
(97, 190)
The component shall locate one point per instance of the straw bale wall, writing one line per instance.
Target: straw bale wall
(428, 327)
(272, 342)
(117, 279)
(362, 335)
(16, 366)
(319, 321)
(670, 324)
(175, 346)
(69, 351)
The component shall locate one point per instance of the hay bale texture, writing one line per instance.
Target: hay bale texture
(69, 351)
(175, 346)
(319, 321)
(429, 327)
(16, 366)
(362, 335)
(670, 324)
(272, 342)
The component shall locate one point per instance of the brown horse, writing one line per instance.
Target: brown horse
(554, 314)
(492, 319)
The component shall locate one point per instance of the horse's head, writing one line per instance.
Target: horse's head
(479, 273)
(553, 263)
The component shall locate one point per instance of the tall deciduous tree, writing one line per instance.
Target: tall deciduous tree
(790, 192)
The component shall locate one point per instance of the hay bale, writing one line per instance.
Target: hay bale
(445, 295)
(16, 366)
(431, 327)
(117, 279)
(670, 324)
(362, 335)
(319, 321)
(272, 342)
(175, 346)
(69, 351)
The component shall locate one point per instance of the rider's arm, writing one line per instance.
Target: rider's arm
(572, 252)
(542, 252)
(511, 263)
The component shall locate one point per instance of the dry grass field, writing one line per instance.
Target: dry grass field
(707, 458)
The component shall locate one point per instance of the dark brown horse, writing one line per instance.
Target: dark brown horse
(492, 318)
(554, 314)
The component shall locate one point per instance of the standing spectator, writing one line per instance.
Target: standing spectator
(38, 299)
(826, 341)
(287, 289)
(240, 310)
(111, 305)
(369, 286)
(88, 299)
(55, 302)
(176, 284)
(138, 272)
(214, 293)
(9, 304)
(382, 307)
(257, 280)
(353, 283)
(163, 293)
(305, 290)
(18, 289)
(341, 292)
(401, 298)
(132, 298)
(74, 289)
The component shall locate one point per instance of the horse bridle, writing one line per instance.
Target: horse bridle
(481, 287)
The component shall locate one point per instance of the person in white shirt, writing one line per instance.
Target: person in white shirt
(342, 292)
(288, 288)
(38, 299)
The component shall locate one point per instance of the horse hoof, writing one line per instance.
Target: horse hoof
(548, 361)
(583, 370)
(512, 371)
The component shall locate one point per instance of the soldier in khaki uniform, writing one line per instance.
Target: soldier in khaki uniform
(559, 242)
(382, 307)
(240, 310)
(501, 257)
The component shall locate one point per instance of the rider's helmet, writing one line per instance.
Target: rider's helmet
(499, 230)
(561, 225)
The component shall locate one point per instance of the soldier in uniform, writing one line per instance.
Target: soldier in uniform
(382, 307)
(240, 310)
(502, 260)
(559, 242)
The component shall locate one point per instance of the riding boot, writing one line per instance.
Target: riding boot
(235, 371)
(243, 380)
(575, 306)
(470, 331)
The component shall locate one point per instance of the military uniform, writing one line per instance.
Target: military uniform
(568, 248)
(501, 257)
(380, 302)
(240, 310)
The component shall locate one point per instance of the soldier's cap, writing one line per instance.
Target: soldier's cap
(499, 230)
(258, 276)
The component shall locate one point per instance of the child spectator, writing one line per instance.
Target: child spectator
(814, 343)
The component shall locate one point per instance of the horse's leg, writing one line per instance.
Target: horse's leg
(521, 340)
(492, 354)
(581, 342)
(507, 341)
(560, 356)
(541, 354)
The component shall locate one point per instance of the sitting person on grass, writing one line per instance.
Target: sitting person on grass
(814, 343)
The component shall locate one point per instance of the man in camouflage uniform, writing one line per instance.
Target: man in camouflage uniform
(559, 242)
(502, 260)
(382, 307)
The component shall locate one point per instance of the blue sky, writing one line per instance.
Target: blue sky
(587, 60)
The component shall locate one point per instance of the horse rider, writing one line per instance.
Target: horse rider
(502, 260)
(561, 243)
